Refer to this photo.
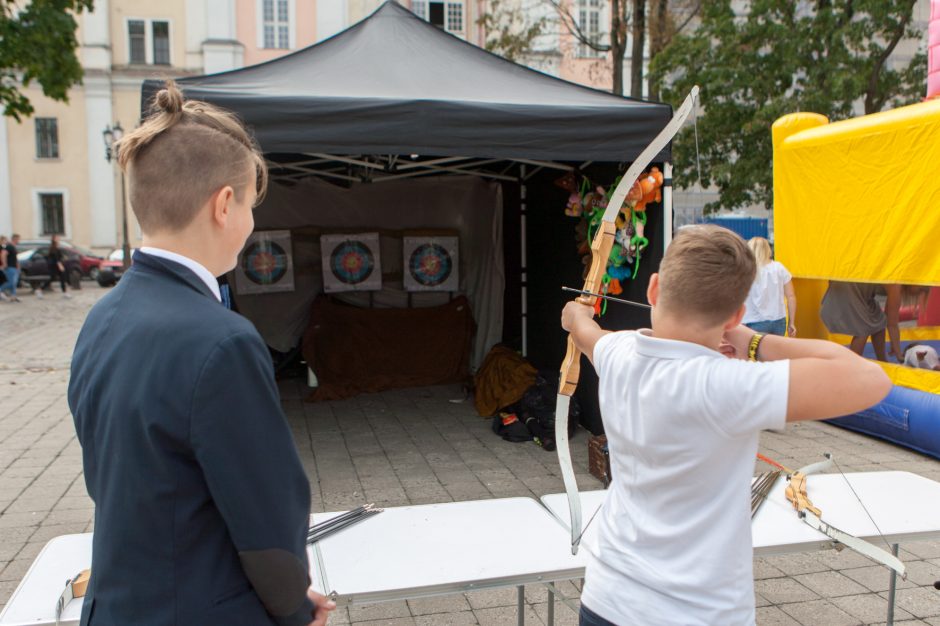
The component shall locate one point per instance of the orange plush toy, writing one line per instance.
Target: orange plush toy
(646, 190)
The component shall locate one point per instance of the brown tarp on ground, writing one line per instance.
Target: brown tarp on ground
(502, 380)
(355, 350)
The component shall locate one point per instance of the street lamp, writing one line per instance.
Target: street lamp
(112, 135)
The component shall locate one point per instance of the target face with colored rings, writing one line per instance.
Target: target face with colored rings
(352, 262)
(264, 262)
(430, 264)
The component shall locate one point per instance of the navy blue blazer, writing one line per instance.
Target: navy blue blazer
(201, 502)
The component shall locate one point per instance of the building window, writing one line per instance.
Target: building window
(148, 42)
(47, 138)
(454, 18)
(161, 43)
(52, 206)
(137, 42)
(420, 8)
(276, 23)
(589, 20)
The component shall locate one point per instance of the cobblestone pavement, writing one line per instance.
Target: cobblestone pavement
(412, 447)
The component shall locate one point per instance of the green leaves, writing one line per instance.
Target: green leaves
(37, 43)
(777, 57)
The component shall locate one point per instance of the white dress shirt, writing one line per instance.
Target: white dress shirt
(197, 268)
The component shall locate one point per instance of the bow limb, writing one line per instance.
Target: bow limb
(812, 516)
(571, 373)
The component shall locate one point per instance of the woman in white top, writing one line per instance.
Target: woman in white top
(766, 312)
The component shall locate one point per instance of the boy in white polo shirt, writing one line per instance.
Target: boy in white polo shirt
(682, 423)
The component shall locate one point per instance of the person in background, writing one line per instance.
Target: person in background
(10, 266)
(772, 287)
(56, 261)
(853, 309)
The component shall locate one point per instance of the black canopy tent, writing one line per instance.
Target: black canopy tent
(395, 97)
(395, 84)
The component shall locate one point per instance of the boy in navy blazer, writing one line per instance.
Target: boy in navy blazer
(201, 502)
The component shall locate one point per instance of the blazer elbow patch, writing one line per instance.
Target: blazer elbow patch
(278, 577)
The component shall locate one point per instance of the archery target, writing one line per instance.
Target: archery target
(351, 262)
(430, 263)
(266, 263)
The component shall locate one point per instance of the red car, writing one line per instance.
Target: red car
(111, 268)
(88, 262)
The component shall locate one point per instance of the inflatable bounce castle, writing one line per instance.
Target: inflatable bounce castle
(859, 201)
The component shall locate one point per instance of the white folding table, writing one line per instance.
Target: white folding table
(905, 507)
(442, 549)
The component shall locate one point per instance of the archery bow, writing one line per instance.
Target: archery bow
(600, 254)
(797, 495)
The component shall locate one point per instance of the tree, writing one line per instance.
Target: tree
(510, 30)
(779, 57)
(37, 42)
(663, 20)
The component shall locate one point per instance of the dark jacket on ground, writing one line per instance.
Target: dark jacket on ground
(201, 502)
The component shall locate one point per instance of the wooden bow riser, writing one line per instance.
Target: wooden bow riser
(600, 253)
(796, 494)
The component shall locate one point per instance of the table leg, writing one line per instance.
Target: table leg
(551, 606)
(521, 605)
(892, 588)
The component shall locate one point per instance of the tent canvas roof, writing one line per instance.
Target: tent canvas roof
(395, 84)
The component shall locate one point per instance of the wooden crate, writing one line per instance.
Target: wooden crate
(599, 459)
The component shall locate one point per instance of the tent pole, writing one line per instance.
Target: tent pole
(524, 260)
(667, 205)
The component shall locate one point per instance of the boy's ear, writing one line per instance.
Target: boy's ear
(736, 320)
(652, 291)
(220, 202)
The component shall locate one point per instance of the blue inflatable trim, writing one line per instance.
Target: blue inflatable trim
(907, 417)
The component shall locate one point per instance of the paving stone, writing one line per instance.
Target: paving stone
(781, 590)
(490, 598)
(763, 569)
(564, 615)
(773, 616)
(382, 610)
(505, 615)
(875, 578)
(462, 618)
(819, 612)
(15, 570)
(398, 621)
(439, 604)
(923, 572)
(921, 602)
(830, 584)
(869, 608)
(795, 564)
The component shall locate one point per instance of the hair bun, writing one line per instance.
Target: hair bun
(169, 99)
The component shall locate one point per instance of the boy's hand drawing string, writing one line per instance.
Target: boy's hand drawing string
(600, 254)
(797, 495)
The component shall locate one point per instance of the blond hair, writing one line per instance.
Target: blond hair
(706, 274)
(761, 249)
(184, 152)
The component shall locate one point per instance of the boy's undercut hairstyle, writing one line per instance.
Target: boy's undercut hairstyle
(706, 274)
(184, 152)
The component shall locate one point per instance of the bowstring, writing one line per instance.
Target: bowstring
(862, 504)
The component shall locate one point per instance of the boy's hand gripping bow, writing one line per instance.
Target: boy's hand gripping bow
(600, 253)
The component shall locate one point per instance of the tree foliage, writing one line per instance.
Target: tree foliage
(509, 29)
(37, 43)
(781, 56)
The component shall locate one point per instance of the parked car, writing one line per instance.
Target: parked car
(34, 267)
(111, 268)
(89, 261)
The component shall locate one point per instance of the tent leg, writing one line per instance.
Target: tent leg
(667, 205)
(524, 261)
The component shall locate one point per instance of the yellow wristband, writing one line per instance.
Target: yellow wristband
(753, 345)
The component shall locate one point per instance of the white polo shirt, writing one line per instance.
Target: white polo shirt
(682, 423)
(765, 301)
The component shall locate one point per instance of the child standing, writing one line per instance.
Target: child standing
(682, 423)
(201, 502)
